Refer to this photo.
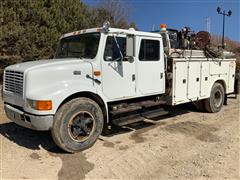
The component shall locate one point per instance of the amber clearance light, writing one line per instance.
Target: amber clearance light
(43, 105)
(97, 73)
(163, 26)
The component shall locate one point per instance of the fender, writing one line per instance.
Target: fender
(65, 89)
(219, 80)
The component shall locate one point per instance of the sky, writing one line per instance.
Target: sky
(149, 14)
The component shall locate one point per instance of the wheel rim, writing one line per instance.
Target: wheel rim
(218, 99)
(81, 126)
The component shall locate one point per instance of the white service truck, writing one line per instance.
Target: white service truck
(104, 76)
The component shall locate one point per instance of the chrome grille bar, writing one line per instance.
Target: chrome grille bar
(13, 82)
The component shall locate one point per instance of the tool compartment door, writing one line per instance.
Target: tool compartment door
(231, 77)
(204, 84)
(180, 82)
(193, 79)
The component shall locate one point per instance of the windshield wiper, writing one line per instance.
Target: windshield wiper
(80, 57)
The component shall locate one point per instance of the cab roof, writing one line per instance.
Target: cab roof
(130, 31)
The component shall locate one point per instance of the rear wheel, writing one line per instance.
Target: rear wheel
(77, 125)
(216, 100)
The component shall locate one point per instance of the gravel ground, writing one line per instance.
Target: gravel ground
(184, 145)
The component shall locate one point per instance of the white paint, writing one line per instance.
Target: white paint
(54, 79)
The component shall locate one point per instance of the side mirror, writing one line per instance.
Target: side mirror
(130, 46)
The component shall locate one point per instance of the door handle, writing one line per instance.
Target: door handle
(133, 77)
(161, 75)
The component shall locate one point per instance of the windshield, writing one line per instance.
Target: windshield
(79, 46)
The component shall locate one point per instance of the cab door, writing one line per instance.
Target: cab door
(118, 80)
(150, 66)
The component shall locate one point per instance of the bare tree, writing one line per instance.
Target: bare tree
(115, 11)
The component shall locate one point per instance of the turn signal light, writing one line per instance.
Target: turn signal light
(97, 73)
(43, 105)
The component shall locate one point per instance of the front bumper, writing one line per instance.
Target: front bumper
(40, 123)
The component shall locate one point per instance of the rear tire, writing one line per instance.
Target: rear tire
(216, 100)
(77, 125)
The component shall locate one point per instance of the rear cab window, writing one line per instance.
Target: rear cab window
(149, 50)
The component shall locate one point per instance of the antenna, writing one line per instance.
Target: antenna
(208, 24)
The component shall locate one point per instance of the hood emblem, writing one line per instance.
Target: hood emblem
(76, 72)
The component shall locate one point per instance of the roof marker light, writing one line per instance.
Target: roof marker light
(106, 26)
(163, 27)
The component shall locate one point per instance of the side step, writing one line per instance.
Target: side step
(133, 118)
(125, 110)
(154, 113)
(133, 107)
(127, 120)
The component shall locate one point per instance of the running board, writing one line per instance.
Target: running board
(124, 108)
(127, 120)
(154, 113)
(133, 118)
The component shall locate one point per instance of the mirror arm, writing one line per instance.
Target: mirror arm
(118, 46)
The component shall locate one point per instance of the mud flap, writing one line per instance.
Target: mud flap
(225, 99)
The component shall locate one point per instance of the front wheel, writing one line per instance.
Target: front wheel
(216, 100)
(77, 125)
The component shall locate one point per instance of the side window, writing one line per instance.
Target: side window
(149, 50)
(112, 51)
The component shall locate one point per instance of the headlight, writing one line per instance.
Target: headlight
(40, 105)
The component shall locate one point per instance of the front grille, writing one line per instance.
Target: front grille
(14, 82)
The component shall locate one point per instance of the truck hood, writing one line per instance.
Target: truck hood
(22, 67)
(45, 79)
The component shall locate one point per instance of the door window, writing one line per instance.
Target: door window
(114, 49)
(149, 50)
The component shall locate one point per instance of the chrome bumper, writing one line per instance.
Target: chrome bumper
(40, 123)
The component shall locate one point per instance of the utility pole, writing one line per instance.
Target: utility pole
(208, 25)
(223, 12)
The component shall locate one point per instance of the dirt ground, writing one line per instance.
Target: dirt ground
(184, 145)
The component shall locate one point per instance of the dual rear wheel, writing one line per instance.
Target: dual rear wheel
(215, 102)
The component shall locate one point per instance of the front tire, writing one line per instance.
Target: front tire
(77, 125)
(215, 102)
